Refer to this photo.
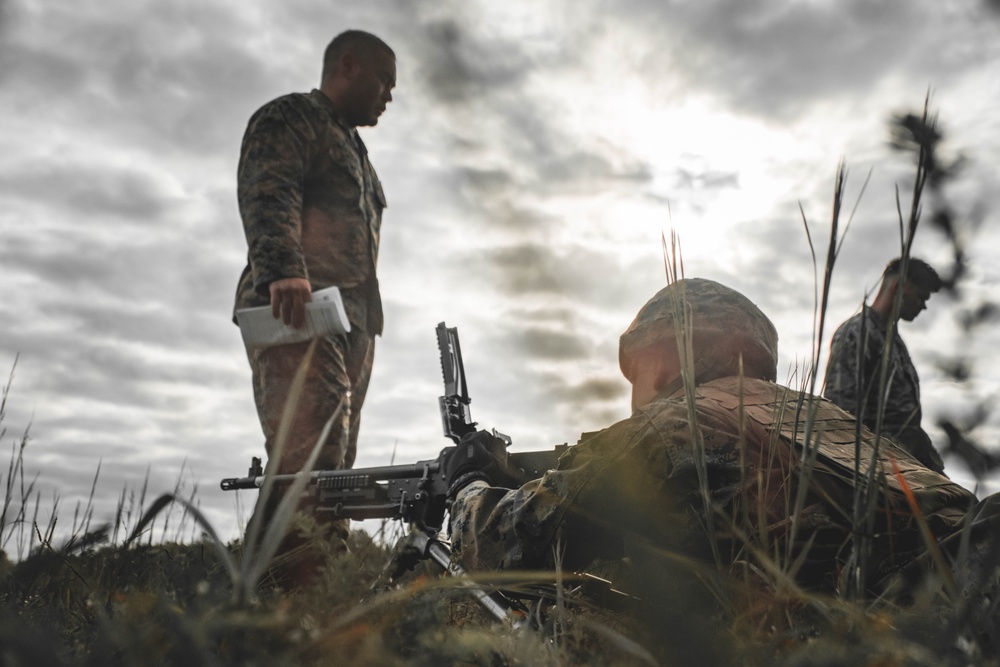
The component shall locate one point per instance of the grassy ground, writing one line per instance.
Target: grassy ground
(171, 604)
(100, 601)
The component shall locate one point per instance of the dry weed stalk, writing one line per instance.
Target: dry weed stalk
(765, 610)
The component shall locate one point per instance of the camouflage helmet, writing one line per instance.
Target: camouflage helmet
(718, 314)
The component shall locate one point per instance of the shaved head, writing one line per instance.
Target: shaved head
(361, 43)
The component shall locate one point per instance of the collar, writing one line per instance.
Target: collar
(319, 96)
(324, 101)
(673, 389)
(875, 317)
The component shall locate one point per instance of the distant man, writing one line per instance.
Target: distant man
(853, 374)
(311, 206)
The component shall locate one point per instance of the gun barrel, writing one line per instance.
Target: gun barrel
(337, 478)
(235, 483)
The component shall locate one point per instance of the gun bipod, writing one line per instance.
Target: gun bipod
(420, 545)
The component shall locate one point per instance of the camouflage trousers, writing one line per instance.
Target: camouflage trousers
(340, 368)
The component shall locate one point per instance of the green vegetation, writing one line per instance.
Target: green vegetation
(147, 600)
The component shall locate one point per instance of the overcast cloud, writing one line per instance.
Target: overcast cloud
(533, 158)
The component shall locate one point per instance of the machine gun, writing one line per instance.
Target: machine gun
(415, 493)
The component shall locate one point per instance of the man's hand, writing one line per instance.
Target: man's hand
(480, 455)
(289, 297)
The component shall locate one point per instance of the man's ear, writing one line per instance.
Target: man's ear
(652, 369)
(890, 285)
(658, 372)
(666, 366)
(348, 65)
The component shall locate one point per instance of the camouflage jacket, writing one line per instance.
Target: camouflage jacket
(638, 480)
(852, 382)
(311, 205)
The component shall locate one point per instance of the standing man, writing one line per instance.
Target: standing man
(853, 374)
(311, 206)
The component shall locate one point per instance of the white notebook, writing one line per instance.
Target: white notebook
(324, 315)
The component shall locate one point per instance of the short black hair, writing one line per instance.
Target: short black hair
(918, 272)
(352, 39)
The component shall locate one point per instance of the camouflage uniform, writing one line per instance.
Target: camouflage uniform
(852, 382)
(634, 488)
(637, 480)
(312, 206)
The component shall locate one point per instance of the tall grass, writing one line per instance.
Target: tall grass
(951, 636)
(158, 587)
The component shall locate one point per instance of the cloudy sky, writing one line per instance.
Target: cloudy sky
(533, 157)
